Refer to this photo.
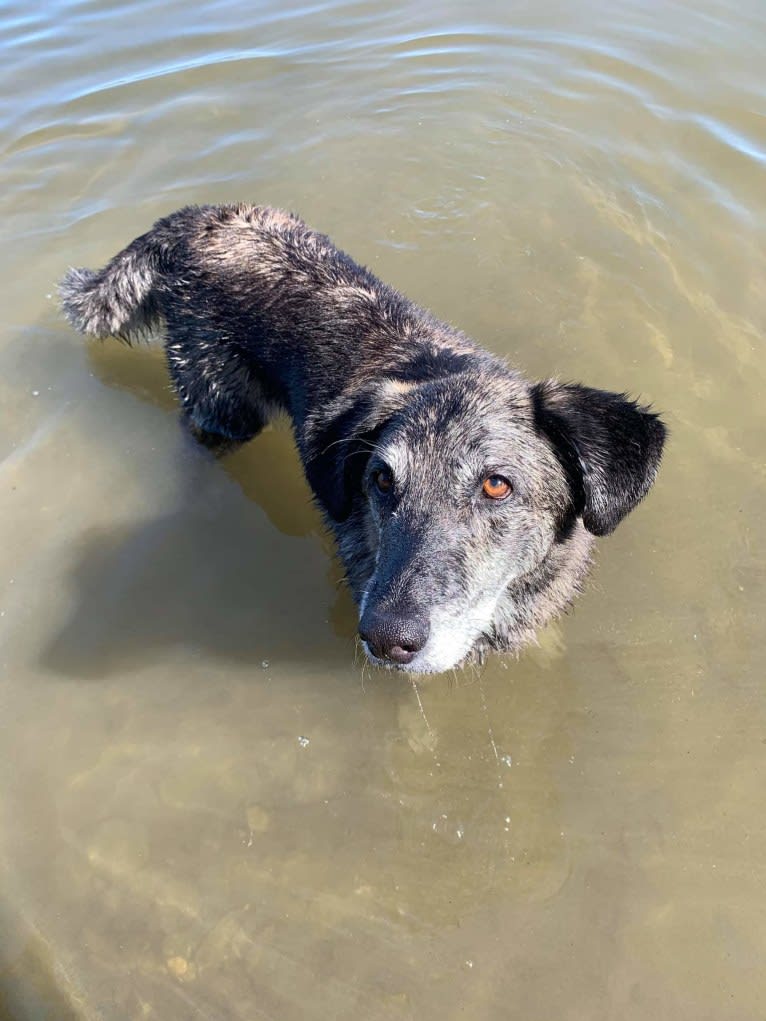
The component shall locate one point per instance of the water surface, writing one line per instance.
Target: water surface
(208, 809)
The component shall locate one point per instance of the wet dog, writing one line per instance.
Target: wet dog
(464, 499)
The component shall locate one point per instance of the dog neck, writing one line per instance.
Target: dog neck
(532, 601)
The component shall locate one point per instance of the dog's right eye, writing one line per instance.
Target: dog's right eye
(496, 487)
(383, 480)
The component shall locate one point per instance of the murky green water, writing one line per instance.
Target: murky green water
(207, 810)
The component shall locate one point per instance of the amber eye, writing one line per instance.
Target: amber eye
(383, 480)
(496, 487)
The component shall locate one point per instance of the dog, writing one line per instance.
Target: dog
(464, 499)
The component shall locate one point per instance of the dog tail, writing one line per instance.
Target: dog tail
(119, 300)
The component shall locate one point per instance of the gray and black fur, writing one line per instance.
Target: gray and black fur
(398, 419)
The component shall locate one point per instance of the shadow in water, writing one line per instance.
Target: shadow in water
(211, 574)
(268, 470)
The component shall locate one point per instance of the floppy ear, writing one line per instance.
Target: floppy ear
(341, 449)
(609, 447)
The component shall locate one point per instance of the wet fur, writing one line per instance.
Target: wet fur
(264, 315)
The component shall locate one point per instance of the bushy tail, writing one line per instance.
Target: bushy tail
(119, 300)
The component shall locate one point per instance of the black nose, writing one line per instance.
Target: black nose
(393, 636)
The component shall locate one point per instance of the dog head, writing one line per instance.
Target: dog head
(464, 505)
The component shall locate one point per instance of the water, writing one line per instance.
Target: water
(208, 809)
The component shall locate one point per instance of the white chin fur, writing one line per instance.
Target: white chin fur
(451, 638)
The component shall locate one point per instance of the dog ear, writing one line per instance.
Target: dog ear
(609, 446)
(341, 449)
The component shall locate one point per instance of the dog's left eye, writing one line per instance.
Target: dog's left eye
(496, 487)
(383, 480)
